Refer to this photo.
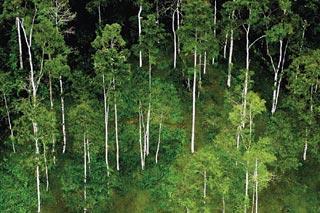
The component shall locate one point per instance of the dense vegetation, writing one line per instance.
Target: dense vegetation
(159, 106)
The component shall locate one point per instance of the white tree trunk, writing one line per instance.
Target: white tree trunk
(88, 155)
(116, 133)
(85, 173)
(178, 23)
(106, 119)
(159, 139)
(38, 188)
(51, 108)
(246, 81)
(278, 71)
(215, 25)
(46, 166)
(256, 186)
(19, 42)
(139, 25)
(9, 122)
(225, 46)
(194, 101)
(205, 63)
(140, 139)
(148, 130)
(230, 64)
(63, 116)
(223, 205)
(246, 188)
(305, 146)
(174, 41)
(204, 185)
(33, 83)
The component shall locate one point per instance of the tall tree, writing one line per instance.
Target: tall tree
(111, 68)
(196, 39)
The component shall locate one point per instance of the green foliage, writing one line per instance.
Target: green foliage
(17, 186)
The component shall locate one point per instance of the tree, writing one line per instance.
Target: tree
(110, 65)
(195, 37)
(303, 85)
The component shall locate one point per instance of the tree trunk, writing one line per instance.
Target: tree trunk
(19, 42)
(204, 186)
(106, 119)
(140, 138)
(223, 205)
(9, 122)
(116, 132)
(139, 24)
(51, 108)
(174, 41)
(34, 99)
(46, 166)
(38, 188)
(256, 186)
(305, 146)
(225, 46)
(230, 57)
(99, 14)
(148, 130)
(246, 81)
(88, 155)
(246, 189)
(85, 173)
(205, 63)
(159, 139)
(63, 115)
(194, 101)
(215, 25)
(200, 77)
(178, 23)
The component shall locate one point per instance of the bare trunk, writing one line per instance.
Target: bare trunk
(200, 77)
(278, 72)
(140, 138)
(194, 101)
(174, 41)
(148, 130)
(256, 186)
(51, 108)
(159, 139)
(223, 205)
(139, 24)
(116, 132)
(246, 189)
(252, 201)
(38, 188)
(225, 46)
(205, 63)
(99, 13)
(246, 81)
(85, 173)
(178, 23)
(106, 119)
(46, 166)
(34, 99)
(305, 146)
(204, 186)
(63, 116)
(9, 122)
(88, 155)
(19, 42)
(230, 64)
(215, 25)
